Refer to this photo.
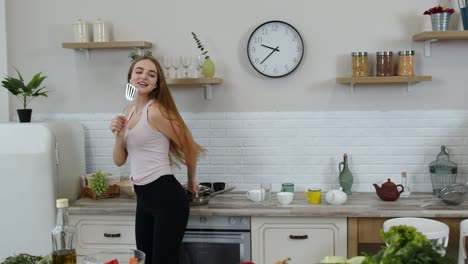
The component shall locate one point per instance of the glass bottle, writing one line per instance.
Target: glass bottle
(63, 236)
(406, 63)
(346, 177)
(359, 64)
(384, 63)
(406, 185)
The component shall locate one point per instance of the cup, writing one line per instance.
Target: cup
(256, 195)
(287, 187)
(218, 186)
(285, 198)
(313, 196)
(266, 187)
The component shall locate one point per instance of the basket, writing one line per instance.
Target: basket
(112, 191)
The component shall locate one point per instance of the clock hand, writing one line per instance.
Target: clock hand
(276, 49)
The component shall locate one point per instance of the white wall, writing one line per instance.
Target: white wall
(331, 31)
(4, 103)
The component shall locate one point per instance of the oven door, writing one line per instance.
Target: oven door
(214, 247)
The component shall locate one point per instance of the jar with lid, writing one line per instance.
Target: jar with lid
(384, 63)
(406, 63)
(359, 64)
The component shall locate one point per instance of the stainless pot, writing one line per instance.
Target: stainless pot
(204, 199)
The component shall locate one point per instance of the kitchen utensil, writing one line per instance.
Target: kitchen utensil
(203, 200)
(453, 194)
(389, 191)
(130, 94)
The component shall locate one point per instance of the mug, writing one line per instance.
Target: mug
(256, 195)
(313, 196)
(218, 186)
(287, 187)
(285, 198)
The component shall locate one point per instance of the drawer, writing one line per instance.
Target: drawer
(97, 233)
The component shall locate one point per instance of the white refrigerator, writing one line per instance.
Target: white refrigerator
(39, 162)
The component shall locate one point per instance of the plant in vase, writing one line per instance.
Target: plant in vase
(25, 93)
(208, 67)
(440, 17)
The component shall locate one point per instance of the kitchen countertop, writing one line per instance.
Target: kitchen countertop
(237, 204)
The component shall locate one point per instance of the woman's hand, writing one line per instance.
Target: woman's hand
(192, 186)
(118, 125)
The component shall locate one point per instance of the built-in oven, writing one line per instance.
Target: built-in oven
(216, 239)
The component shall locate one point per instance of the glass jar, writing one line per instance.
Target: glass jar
(406, 63)
(384, 63)
(359, 64)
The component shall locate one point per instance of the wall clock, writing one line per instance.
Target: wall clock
(275, 49)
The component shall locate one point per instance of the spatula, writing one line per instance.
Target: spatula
(130, 94)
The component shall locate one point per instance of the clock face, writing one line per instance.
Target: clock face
(275, 49)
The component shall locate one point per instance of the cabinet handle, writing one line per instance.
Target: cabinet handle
(111, 235)
(298, 237)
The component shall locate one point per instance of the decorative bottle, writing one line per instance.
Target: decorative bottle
(346, 177)
(63, 236)
(208, 68)
(406, 185)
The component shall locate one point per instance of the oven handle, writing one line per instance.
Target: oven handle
(300, 237)
(197, 235)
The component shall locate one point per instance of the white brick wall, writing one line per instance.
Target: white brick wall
(245, 149)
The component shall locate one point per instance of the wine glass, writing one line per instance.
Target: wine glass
(198, 62)
(186, 60)
(176, 62)
(166, 60)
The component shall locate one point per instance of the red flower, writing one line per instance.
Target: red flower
(439, 9)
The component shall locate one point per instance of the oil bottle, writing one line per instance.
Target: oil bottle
(63, 236)
(346, 177)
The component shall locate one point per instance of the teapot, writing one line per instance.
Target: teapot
(389, 191)
(336, 197)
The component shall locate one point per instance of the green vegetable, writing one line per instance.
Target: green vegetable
(98, 183)
(407, 246)
(22, 258)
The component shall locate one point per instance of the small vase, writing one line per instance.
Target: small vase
(440, 21)
(346, 177)
(24, 115)
(208, 68)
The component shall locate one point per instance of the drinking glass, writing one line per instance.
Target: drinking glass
(176, 62)
(166, 60)
(198, 62)
(266, 188)
(186, 60)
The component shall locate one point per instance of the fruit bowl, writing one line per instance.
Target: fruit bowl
(116, 256)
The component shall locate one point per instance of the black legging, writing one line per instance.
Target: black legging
(161, 218)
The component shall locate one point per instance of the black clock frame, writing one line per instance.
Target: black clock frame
(300, 37)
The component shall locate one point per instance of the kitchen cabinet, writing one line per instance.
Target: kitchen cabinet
(303, 239)
(364, 235)
(432, 36)
(100, 232)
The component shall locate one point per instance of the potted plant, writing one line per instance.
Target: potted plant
(440, 17)
(208, 67)
(25, 92)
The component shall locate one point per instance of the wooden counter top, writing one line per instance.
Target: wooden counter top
(236, 204)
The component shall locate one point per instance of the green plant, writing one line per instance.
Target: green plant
(22, 258)
(25, 92)
(200, 45)
(98, 182)
(133, 55)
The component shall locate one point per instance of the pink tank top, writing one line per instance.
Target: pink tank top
(148, 150)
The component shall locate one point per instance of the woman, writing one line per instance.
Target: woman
(153, 136)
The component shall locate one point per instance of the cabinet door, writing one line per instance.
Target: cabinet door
(100, 232)
(304, 240)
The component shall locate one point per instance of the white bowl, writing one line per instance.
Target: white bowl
(285, 198)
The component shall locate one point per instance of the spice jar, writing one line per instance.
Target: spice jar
(384, 63)
(406, 63)
(359, 64)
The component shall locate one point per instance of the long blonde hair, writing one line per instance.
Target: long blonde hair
(163, 97)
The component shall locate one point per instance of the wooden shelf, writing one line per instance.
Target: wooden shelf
(108, 45)
(432, 36)
(441, 35)
(389, 79)
(205, 82)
